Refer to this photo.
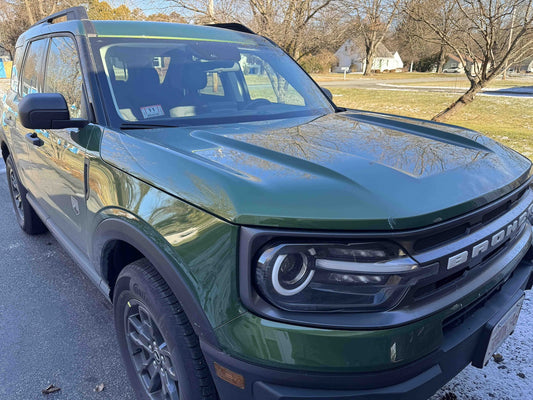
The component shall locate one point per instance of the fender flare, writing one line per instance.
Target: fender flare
(117, 229)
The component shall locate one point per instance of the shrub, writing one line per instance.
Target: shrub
(318, 63)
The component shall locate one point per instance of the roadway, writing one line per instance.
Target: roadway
(56, 327)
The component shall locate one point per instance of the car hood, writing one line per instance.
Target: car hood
(351, 170)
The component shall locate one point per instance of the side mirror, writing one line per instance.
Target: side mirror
(327, 92)
(47, 111)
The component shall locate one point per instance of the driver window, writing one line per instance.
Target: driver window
(32, 67)
(63, 74)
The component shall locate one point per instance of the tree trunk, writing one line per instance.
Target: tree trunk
(369, 60)
(442, 60)
(211, 11)
(30, 14)
(457, 105)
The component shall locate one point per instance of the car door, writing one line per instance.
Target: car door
(30, 82)
(61, 152)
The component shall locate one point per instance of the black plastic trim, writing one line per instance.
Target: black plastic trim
(116, 229)
(72, 13)
(233, 26)
(415, 381)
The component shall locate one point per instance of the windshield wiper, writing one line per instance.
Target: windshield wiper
(144, 125)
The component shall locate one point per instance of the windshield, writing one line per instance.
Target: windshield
(188, 81)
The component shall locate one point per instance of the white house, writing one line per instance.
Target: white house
(453, 64)
(525, 66)
(352, 55)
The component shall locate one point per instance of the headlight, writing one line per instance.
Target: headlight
(337, 277)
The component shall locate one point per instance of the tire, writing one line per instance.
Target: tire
(146, 311)
(26, 216)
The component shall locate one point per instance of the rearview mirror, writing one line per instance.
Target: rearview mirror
(47, 111)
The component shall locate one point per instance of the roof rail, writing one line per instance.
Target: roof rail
(73, 13)
(234, 27)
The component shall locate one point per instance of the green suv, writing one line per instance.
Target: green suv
(258, 242)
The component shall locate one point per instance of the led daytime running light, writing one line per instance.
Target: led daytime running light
(405, 264)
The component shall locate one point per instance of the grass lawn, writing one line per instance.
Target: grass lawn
(463, 83)
(428, 79)
(506, 119)
(382, 76)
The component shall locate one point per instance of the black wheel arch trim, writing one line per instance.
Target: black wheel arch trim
(111, 229)
(3, 144)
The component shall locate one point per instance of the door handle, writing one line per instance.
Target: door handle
(9, 120)
(34, 139)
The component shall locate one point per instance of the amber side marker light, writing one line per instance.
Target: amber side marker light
(229, 376)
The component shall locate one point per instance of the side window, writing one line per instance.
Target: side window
(63, 74)
(19, 51)
(32, 67)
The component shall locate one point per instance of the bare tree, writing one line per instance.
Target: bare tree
(13, 24)
(18, 15)
(486, 36)
(209, 11)
(287, 22)
(373, 20)
(419, 39)
(444, 14)
(410, 38)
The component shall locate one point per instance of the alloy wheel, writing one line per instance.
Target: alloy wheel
(16, 194)
(149, 353)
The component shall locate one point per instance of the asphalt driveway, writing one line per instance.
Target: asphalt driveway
(55, 327)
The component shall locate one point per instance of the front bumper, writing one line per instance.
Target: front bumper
(461, 344)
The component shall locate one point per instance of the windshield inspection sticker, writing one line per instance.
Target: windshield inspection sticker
(152, 111)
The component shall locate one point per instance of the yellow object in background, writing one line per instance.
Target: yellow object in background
(7, 66)
(5, 69)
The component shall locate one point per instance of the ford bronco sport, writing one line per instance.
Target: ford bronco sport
(258, 242)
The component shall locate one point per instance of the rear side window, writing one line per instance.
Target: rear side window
(63, 74)
(19, 51)
(33, 66)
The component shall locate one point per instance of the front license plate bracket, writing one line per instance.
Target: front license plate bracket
(496, 332)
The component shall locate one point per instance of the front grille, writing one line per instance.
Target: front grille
(470, 224)
(462, 238)
(441, 237)
(430, 289)
(459, 317)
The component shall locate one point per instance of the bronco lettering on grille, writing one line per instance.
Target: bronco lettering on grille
(485, 246)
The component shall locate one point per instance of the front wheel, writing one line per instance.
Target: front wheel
(159, 347)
